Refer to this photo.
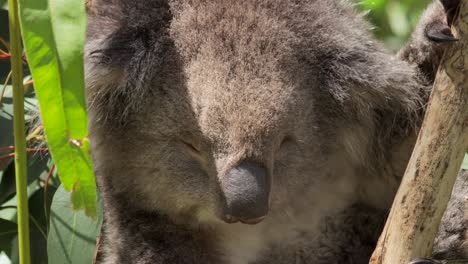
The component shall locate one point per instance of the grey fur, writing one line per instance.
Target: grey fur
(181, 91)
(452, 241)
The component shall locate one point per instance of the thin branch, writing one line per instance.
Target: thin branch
(4, 55)
(38, 226)
(7, 148)
(5, 85)
(28, 82)
(7, 46)
(7, 157)
(46, 185)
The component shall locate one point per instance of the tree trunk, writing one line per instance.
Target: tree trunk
(433, 168)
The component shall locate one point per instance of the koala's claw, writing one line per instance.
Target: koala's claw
(425, 261)
(443, 35)
(438, 30)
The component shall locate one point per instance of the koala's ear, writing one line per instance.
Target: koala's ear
(119, 30)
(127, 47)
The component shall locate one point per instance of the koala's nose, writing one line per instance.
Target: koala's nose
(246, 189)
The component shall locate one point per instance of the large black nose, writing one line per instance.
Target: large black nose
(246, 189)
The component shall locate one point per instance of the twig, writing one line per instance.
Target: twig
(7, 157)
(5, 85)
(46, 185)
(4, 43)
(21, 157)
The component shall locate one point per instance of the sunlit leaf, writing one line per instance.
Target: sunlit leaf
(53, 33)
(397, 19)
(372, 4)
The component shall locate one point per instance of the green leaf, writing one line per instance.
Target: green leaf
(465, 162)
(53, 34)
(7, 183)
(39, 208)
(374, 4)
(38, 249)
(397, 19)
(72, 236)
(8, 232)
(4, 33)
(37, 166)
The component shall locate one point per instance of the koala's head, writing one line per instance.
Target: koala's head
(222, 110)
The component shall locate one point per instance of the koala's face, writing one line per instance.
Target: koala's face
(204, 111)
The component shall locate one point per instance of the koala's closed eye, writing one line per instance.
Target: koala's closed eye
(109, 56)
(99, 56)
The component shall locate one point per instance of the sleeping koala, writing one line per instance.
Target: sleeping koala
(254, 131)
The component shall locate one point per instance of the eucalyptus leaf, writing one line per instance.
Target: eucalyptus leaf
(6, 125)
(465, 162)
(72, 235)
(4, 33)
(39, 208)
(7, 233)
(53, 34)
(37, 166)
(38, 249)
(7, 183)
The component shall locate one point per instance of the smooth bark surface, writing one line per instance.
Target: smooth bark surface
(431, 173)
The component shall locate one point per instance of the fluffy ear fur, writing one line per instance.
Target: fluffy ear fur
(127, 46)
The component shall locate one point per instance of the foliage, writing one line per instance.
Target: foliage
(72, 235)
(53, 35)
(54, 48)
(40, 174)
(393, 20)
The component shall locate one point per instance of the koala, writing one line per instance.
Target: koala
(255, 131)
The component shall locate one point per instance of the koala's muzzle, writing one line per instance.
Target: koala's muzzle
(246, 190)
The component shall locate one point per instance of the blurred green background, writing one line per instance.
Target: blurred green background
(394, 20)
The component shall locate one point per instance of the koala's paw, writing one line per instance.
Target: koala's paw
(426, 261)
(439, 30)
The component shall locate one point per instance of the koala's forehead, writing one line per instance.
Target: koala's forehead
(217, 52)
(216, 30)
(235, 48)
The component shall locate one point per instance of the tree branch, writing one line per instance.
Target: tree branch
(433, 168)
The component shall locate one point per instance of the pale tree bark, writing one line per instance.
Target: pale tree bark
(431, 173)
